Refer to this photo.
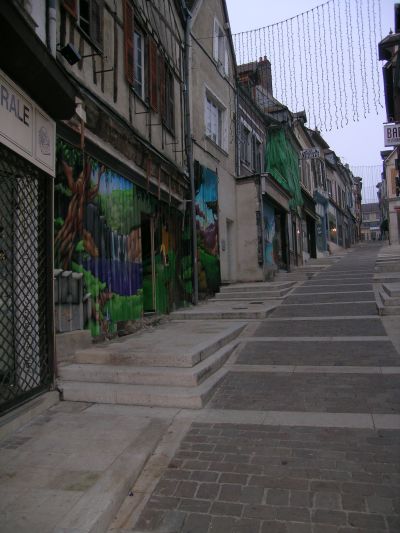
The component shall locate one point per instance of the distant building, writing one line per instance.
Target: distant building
(371, 222)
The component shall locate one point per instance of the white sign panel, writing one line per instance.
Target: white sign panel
(25, 128)
(310, 153)
(391, 134)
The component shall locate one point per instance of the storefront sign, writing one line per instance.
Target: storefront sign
(310, 153)
(391, 134)
(25, 128)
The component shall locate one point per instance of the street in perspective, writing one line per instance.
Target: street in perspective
(199, 266)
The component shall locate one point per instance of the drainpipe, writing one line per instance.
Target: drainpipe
(189, 145)
(51, 33)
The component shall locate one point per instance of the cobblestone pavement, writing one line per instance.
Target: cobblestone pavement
(265, 479)
(320, 352)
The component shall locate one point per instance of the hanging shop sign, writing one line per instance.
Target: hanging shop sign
(391, 134)
(310, 153)
(25, 127)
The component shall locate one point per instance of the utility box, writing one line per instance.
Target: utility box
(72, 305)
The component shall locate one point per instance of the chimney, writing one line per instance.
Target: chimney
(265, 74)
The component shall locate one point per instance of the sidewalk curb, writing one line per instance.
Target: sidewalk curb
(96, 509)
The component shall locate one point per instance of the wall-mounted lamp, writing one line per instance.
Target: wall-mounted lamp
(70, 53)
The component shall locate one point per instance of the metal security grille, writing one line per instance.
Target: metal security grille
(25, 367)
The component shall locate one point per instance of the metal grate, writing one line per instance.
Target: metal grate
(25, 367)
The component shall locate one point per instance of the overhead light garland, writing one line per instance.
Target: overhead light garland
(323, 61)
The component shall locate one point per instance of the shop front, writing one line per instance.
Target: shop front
(27, 167)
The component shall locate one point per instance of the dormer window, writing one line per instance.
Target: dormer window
(220, 48)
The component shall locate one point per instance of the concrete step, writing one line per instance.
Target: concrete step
(391, 310)
(159, 351)
(255, 287)
(148, 375)
(393, 266)
(392, 290)
(386, 305)
(146, 395)
(245, 295)
(228, 310)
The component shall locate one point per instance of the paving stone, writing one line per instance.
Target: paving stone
(369, 522)
(321, 328)
(333, 309)
(277, 497)
(196, 523)
(327, 500)
(208, 491)
(323, 516)
(225, 508)
(322, 297)
(337, 393)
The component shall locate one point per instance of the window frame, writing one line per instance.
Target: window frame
(139, 86)
(220, 48)
(92, 29)
(221, 138)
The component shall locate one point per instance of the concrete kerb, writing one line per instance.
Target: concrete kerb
(96, 508)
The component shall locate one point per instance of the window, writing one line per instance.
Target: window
(138, 62)
(220, 50)
(89, 15)
(214, 117)
(91, 19)
(167, 95)
(329, 183)
(246, 153)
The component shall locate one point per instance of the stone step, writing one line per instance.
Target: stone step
(148, 375)
(228, 310)
(158, 350)
(392, 289)
(386, 305)
(391, 310)
(255, 287)
(388, 267)
(145, 395)
(261, 295)
(387, 300)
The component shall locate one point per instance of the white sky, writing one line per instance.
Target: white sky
(358, 144)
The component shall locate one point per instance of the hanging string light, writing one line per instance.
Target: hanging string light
(323, 61)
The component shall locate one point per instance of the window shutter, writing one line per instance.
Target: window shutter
(161, 65)
(128, 36)
(215, 40)
(96, 21)
(71, 7)
(153, 85)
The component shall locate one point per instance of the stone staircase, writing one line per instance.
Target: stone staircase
(388, 301)
(175, 365)
(254, 291)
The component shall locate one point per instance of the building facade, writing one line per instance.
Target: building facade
(121, 177)
(30, 105)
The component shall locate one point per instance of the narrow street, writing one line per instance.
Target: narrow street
(300, 436)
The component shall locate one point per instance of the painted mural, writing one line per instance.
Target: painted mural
(269, 233)
(206, 183)
(129, 247)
